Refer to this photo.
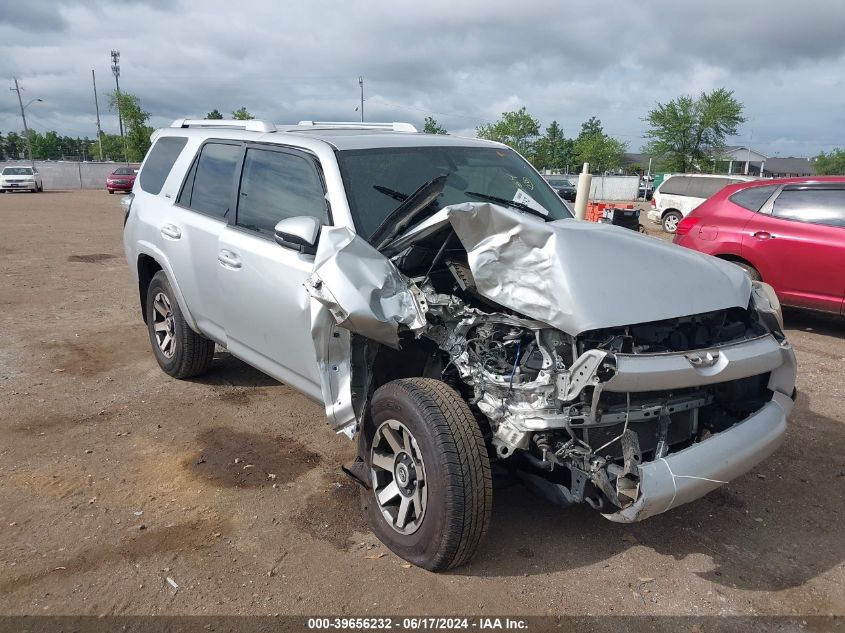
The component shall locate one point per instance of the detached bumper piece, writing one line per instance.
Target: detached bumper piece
(693, 472)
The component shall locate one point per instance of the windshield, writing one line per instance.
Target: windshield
(17, 171)
(378, 179)
(124, 171)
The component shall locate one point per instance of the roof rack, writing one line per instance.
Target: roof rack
(396, 126)
(250, 125)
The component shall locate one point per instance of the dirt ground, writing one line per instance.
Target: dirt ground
(114, 478)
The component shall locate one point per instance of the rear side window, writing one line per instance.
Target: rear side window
(277, 185)
(676, 186)
(211, 181)
(160, 161)
(706, 187)
(754, 197)
(817, 206)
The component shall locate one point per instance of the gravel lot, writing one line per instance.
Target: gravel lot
(114, 478)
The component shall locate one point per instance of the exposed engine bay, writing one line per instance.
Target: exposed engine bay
(577, 413)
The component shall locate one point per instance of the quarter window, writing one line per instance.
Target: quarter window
(208, 188)
(754, 197)
(277, 185)
(160, 161)
(675, 186)
(814, 205)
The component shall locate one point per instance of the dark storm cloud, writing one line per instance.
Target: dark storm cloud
(463, 62)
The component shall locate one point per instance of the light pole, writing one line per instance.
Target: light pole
(115, 69)
(17, 89)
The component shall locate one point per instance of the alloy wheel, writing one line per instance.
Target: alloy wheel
(164, 325)
(398, 477)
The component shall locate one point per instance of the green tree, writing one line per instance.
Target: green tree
(14, 146)
(517, 129)
(242, 114)
(553, 150)
(603, 152)
(686, 132)
(214, 114)
(431, 126)
(830, 164)
(135, 124)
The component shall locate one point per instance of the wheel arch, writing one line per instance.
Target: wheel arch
(150, 261)
(668, 210)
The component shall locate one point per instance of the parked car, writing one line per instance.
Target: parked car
(677, 195)
(121, 179)
(563, 186)
(439, 300)
(20, 179)
(789, 233)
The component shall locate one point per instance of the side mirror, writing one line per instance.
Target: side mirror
(299, 233)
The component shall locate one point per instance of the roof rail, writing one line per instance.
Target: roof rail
(396, 126)
(250, 125)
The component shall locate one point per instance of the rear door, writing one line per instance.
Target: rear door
(193, 230)
(797, 242)
(268, 317)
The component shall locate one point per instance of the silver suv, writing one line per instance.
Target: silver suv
(435, 294)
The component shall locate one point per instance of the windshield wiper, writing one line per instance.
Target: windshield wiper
(508, 203)
(407, 211)
(396, 195)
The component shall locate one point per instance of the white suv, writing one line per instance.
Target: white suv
(436, 296)
(678, 195)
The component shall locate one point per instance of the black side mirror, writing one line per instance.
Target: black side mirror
(299, 233)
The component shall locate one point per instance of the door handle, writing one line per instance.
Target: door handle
(763, 235)
(228, 259)
(171, 231)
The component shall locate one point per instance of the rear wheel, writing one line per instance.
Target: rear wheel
(179, 350)
(431, 493)
(671, 220)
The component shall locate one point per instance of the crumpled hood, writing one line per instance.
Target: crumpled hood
(580, 276)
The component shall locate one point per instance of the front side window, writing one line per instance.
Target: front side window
(754, 197)
(211, 181)
(377, 180)
(160, 161)
(277, 185)
(811, 204)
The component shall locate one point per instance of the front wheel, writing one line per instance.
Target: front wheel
(431, 493)
(671, 220)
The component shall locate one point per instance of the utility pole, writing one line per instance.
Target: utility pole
(361, 86)
(17, 89)
(97, 106)
(115, 69)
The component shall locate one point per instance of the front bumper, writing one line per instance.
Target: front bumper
(119, 186)
(693, 472)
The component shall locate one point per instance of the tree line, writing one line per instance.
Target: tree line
(685, 134)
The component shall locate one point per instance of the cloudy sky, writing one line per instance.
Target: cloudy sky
(462, 62)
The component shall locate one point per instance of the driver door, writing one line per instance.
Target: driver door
(267, 314)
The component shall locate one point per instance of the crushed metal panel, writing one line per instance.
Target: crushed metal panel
(576, 276)
(363, 290)
(354, 288)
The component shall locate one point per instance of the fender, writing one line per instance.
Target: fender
(143, 247)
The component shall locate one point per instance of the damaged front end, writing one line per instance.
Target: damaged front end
(526, 320)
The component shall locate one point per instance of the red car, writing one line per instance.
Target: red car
(121, 179)
(788, 232)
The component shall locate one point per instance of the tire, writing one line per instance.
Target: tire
(111, 191)
(670, 221)
(41, 188)
(447, 447)
(750, 271)
(185, 353)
